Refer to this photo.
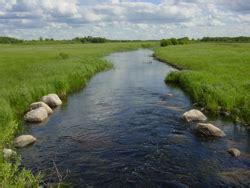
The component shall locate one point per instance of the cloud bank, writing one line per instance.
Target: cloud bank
(124, 19)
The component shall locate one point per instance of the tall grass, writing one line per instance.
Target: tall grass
(217, 76)
(28, 72)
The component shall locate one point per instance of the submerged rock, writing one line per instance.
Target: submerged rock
(52, 100)
(194, 115)
(209, 130)
(234, 152)
(178, 139)
(236, 177)
(169, 94)
(37, 115)
(8, 153)
(37, 105)
(24, 140)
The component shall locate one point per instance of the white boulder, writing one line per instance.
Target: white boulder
(37, 115)
(37, 105)
(8, 153)
(194, 115)
(209, 130)
(52, 100)
(24, 140)
(234, 152)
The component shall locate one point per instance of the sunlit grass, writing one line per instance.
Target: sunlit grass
(215, 75)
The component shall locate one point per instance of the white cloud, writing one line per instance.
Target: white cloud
(244, 18)
(143, 19)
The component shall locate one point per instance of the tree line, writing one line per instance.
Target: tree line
(225, 39)
(186, 40)
(9, 40)
(90, 39)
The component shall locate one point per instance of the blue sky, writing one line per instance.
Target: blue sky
(124, 19)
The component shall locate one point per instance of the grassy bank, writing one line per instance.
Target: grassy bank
(30, 71)
(217, 76)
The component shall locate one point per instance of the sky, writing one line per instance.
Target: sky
(124, 19)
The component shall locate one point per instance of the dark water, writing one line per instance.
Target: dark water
(124, 130)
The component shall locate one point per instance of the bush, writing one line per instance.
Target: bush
(90, 39)
(184, 40)
(166, 42)
(174, 41)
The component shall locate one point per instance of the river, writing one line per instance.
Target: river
(124, 130)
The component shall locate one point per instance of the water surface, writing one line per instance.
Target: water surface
(124, 130)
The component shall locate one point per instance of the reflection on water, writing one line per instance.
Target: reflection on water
(124, 130)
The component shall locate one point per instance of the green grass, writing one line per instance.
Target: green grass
(217, 76)
(28, 72)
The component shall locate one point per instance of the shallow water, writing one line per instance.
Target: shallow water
(124, 130)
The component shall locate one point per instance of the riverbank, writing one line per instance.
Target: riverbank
(216, 76)
(31, 71)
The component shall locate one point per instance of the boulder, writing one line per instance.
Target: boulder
(24, 140)
(37, 115)
(8, 153)
(36, 105)
(209, 130)
(52, 100)
(234, 152)
(194, 115)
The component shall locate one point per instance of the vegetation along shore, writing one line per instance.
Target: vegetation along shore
(30, 71)
(215, 75)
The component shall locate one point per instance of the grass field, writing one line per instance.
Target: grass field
(215, 75)
(30, 71)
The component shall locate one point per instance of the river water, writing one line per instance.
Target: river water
(124, 130)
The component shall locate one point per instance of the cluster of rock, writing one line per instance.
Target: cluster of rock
(37, 112)
(206, 129)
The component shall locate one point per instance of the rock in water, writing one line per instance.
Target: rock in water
(194, 115)
(169, 94)
(8, 153)
(234, 152)
(52, 100)
(24, 140)
(36, 105)
(37, 115)
(237, 177)
(209, 130)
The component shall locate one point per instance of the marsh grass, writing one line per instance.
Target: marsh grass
(30, 71)
(217, 76)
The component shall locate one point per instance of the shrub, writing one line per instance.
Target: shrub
(63, 55)
(174, 41)
(166, 42)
